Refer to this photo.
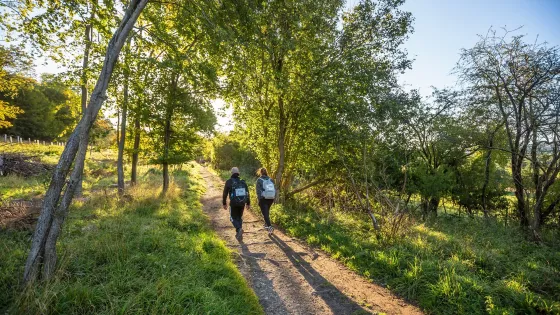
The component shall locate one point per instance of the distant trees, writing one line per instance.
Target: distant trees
(15, 66)
(225, 151)
(50, 109)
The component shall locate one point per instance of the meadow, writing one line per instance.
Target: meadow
(142, 253)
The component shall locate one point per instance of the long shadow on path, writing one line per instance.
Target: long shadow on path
(264, 288)
(334, 298)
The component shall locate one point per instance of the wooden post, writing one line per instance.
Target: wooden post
(11, 139)
(5, 138)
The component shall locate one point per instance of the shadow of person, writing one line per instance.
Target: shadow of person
(261, 283)
(337, 301)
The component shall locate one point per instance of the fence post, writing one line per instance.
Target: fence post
(29, 141)
(11, 139)
(5, 138)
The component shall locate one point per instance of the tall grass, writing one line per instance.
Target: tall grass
(453, 265)
(147, 255)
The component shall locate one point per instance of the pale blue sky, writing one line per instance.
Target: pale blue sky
(443, 27)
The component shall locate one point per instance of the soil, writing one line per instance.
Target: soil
(291, 278)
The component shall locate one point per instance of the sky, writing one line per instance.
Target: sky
(442, 28)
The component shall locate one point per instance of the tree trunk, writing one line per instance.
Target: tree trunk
(46, 231)
(62, 209)
(433, 205)
(133, 173)
(165, 178)
(368, 206)
(120, 168)
(486, 180)
(519, 194)
(281, 146)
(166, 141)
(83, 84)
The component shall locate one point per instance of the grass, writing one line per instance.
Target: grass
(454, 265)
(99, 171)
(150, 255)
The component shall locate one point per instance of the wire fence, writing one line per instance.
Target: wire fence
(17, 139)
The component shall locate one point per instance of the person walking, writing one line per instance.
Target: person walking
(238, 193)
(266, 193)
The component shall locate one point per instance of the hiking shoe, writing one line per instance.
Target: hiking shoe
(239, 235)
(270, 229)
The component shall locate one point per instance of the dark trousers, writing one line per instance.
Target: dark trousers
(265, 204)
(236, 216)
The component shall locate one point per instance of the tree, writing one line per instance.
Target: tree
(14, 72)
(522, 84)
(50, 109)
(42, 256)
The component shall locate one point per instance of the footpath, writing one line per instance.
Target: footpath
(291, 278)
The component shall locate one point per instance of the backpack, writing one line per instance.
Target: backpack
(269, 192)
(239, 193)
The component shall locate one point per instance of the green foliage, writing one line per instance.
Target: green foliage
(224, 152)
(103, 134)
(470, 181)
(454, 265)
(297, 81)
(15, 65)
(50, 109)
(149, 255)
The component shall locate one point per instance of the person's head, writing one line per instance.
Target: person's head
(234, 170)
(262, 172)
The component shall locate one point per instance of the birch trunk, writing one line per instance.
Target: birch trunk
(120, 167)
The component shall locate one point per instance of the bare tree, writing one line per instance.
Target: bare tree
(523, 84)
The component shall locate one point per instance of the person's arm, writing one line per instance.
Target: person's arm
(225, 193)
(248, 196)
(258, 188)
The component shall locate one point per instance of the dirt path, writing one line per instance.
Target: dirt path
(291, 278)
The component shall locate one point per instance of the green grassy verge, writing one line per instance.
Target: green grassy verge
(455, 265)
(151, 255)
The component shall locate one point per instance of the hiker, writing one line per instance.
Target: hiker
(266, 193)
(238, 193)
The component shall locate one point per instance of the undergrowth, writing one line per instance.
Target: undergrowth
(453, 265)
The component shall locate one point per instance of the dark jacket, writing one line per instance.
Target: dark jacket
(227, 190)
(259, 185)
